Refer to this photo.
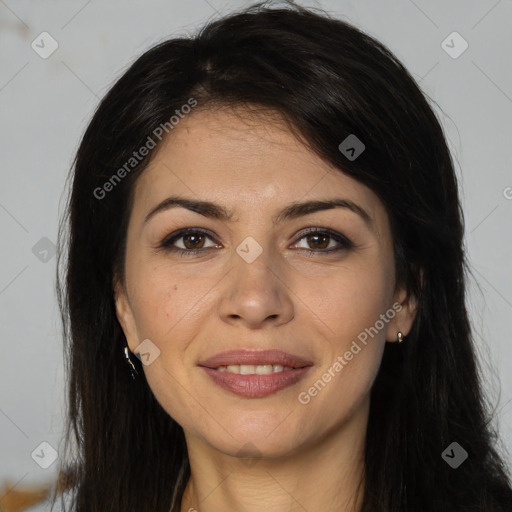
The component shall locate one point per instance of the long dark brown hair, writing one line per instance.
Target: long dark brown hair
(328, 80)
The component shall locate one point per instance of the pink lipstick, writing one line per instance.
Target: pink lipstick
(255, 373)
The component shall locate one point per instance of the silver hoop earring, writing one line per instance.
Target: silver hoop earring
(133, 370)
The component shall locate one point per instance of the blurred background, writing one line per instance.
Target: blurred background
(58, 58)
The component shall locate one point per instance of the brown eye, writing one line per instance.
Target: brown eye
(318, 241)
(324, 241)
(188, 241)
(193, 241)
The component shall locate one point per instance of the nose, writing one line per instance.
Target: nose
(256, 294)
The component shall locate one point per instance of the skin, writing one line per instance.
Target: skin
(305, 456)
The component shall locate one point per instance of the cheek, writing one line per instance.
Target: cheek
(351, 299)
(350, 305)
(338, 390)
(166, 302)
(169, 311)
(340, 394)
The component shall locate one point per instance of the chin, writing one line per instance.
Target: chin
(256, 434)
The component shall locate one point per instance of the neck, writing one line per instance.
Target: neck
(325, 475)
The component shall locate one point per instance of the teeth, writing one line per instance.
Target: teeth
(251, 369)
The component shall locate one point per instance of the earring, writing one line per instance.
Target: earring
(399, 337)
(133, 370)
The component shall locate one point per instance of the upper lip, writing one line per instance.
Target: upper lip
(254, 357)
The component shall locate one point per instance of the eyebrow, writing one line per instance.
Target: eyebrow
(291, 211)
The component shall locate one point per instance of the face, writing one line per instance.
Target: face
(306, 284)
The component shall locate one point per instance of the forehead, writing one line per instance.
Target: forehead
(244, 159)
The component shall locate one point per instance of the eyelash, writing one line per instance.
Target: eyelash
(167, 242)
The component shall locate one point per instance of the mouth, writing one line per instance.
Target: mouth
(255, 373)
(248, 360)
(251, 369)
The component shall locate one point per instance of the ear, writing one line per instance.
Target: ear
(125, 315)
(405, 305)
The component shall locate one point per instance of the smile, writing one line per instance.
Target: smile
(255, 373)
(251, 369)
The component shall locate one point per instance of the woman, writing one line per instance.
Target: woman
(267, 214)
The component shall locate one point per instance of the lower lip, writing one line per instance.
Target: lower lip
(256, 386)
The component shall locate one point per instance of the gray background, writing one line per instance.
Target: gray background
(45, 105)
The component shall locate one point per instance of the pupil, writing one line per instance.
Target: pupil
(194, 244)
(324, 245)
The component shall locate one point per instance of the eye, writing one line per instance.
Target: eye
(192, 241)
(321, 239)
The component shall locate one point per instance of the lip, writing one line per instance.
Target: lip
(255, 386)
(255, 357)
